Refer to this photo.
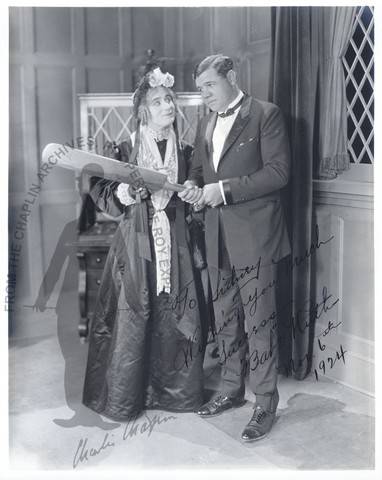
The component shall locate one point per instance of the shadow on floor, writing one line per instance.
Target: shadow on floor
(311, 432)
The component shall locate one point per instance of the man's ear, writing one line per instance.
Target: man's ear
(231, 77)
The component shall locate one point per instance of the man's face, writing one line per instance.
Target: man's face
(217, 92)
(161, 107)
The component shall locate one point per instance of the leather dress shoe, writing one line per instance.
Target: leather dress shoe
(219, 405)
(259, 425)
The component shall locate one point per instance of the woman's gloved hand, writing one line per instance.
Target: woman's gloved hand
(141, 190)
(127, 193)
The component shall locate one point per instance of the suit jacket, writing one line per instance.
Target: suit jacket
(254, 166)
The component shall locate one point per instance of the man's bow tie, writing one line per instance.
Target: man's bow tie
(231, 110)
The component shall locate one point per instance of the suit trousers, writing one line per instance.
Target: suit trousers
(244, 303)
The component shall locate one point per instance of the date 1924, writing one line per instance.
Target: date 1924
(329, 362)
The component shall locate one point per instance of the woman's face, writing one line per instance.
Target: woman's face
(161, 108)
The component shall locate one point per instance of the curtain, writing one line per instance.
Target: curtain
(293, 87)
(336, 30)
(307, 83)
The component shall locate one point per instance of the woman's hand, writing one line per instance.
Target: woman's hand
(144, 193)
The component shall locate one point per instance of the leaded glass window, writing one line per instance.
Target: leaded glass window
(359, 73)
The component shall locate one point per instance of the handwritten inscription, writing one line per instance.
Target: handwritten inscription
(329, 328)
(303, 318)
(193, 348)
(325, 364)
(84, 452)
(328, 362)
(315, 245)
(224, 284)
(133, 427)
(239, 278)
(182, 301)
(311, 311)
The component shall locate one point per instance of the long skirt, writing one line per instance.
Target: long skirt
(145, 350)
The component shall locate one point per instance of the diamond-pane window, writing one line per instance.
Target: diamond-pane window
(359, 79)
(109, 118)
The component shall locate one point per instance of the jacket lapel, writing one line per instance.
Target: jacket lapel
(238, 126)
(208, 138)
(181, 164)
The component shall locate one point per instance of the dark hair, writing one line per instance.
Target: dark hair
(143, 87)
(221, 63)
(141, 90)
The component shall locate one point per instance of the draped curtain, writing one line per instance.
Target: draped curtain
(312, 100)
(293, 87)
(336, 30)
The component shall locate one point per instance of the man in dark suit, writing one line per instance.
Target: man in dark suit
(242, 160)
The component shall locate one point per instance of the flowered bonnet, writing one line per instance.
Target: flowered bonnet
(153, 78)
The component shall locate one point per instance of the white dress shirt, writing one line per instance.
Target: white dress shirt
(221, 131)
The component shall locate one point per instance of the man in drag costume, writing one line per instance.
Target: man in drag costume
(147, 314)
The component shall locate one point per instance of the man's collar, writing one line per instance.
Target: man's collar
(234, 102)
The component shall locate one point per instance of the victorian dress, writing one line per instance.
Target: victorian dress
(146, 339)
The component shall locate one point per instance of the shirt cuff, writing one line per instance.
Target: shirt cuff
(225, 188)
(123, 194)
(222, 191)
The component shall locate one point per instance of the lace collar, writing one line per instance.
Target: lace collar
(159, 135)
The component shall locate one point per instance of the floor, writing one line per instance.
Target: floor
(320, 425)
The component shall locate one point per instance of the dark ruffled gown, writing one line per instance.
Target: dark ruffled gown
(145, 351)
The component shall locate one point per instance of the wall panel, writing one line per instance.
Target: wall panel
(148, 30)
(345, 267)
(54, 104)
(229, 31)
(52, 29)
(358, 276)
(17, 181)
(15, 30)
(100, 80)
(101, 31)
(196, 32)
(258, 22)
(257, 82)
